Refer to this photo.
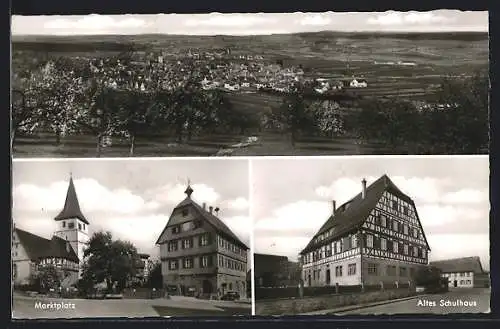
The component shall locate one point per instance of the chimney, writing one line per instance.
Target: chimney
(217, 209)
(204, 206)
(210, 209)
(334, 207)
(363, 192)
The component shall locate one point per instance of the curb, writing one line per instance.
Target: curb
(334, 311)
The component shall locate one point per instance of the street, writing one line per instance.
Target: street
(32, 307)
(457, 301)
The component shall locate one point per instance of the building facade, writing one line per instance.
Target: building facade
(465, 272)
(200, 255)
(64, 250)
(372, 239)
(275, 271)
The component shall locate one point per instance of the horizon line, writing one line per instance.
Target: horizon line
(248, 35)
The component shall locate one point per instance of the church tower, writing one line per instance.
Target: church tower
(71, 224)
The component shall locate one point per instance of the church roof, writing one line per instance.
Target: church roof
(457, 265)
(350, 216)
(71, 205)
(213, 220)
(38, 247)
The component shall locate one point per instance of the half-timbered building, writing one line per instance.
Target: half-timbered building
(376, 237)
(200, 255)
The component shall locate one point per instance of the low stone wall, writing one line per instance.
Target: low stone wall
(294, 306)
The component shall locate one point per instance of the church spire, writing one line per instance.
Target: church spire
(71, 205)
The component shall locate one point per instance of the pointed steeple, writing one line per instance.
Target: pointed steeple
(189, 190)
(71, 205)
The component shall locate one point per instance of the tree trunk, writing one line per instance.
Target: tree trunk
(98, 146)
(292, 137)
(109, 285)
(58, 137)
(132, 145)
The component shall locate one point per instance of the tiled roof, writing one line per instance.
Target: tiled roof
(71, 206)
(351, 215)
(457, 265)
(211, 219)
(37, 247)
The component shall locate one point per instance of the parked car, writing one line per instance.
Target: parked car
(231, 295)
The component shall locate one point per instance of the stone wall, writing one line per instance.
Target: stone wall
(294, 306)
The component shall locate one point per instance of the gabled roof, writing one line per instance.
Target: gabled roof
(457, 265)
(37, 247)
(214, 221)
(71, 205)
(351, 215)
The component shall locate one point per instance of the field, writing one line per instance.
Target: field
(405, 66)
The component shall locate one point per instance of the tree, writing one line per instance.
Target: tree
(428, 277)
(155, 278)
(292, 115)
(49, 277)
(109, 261)
(327, 117)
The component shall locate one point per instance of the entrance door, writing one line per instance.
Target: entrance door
(455, 283)
(328, 276)
(207, 287)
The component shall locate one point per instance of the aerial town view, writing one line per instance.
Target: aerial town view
(250, 84)
(86, 244)
(377, 236)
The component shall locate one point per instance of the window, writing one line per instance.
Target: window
(423, 253)
(187, 243)
(383, 244)
(172, 265)
(79, 226)
(395, 247)
(14, 270)
(372, 269)
(71, 225)
(221, 261)
(185, 212)
(175, 229)
(354, 241)
(351, 269)
(405, 229)
(205, 261)
(415, 252)
(405, 249)
(403, 272)
(405, 210)
(328, 276)
(395, 226)
(173, 246)
(383, 221)
(188, 263)
(84, 226)
(204, 240)
(415, 233)
(369, 241)
(462, 274)
(64, 224)
(338, 270)
(328, 250)
(394, 205)
(391, 270)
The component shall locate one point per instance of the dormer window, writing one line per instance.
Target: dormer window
(79, 226)
(71, 225)
(175, 229)
(185, 212)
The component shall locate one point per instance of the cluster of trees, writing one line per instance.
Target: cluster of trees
(430, 278)
(64, 99)
(456, 122)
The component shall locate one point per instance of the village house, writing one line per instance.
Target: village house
(64, 250)
(200, 255)
(465, 272)
(374, 238)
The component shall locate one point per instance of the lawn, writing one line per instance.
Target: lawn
(224, 311)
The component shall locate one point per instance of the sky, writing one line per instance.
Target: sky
(451, 195)
(132, 199)
(252, 23)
